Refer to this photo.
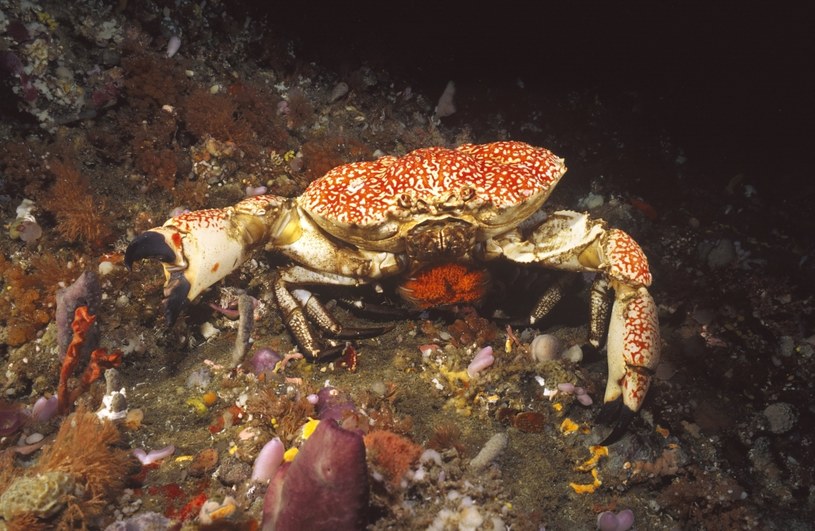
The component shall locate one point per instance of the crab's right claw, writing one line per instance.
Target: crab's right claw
(197, 249)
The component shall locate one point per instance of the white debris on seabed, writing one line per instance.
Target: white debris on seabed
(491, 450)
(466, 517)
(446, 106)
(25, 225)
(591, 201)
(208, 330)
(573, 354)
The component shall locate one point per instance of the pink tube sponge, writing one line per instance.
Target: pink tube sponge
(483, 359)
(609, 521)
(268, 460)
(325, 487)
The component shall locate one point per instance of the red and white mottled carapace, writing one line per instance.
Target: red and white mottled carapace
(432, 218)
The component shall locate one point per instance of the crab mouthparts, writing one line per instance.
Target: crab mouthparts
(443, 239)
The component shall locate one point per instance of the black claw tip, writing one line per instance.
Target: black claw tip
(624, 418)
(362, 333)
(175, 297)
(610, 411)
(325, 355)
(148, 245)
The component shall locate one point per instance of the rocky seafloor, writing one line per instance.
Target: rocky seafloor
(117, 116)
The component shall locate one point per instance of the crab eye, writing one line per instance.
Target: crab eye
(467, 193)
(405, 201)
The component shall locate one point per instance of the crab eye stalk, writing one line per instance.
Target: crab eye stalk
(466, 193)
(405, 201)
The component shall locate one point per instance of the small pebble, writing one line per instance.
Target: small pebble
(573, 354)
(233, 471)
(339, 91)
(722, 254)
(781, 417)
(173, 45)
(105, 268)
(204, 462)
(34, 438)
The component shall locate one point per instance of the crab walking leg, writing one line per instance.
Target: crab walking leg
(295, 319)
(600, 308)
(325, 320)
(197, 249)
(573, 241)
(299, 308)
(548, 300)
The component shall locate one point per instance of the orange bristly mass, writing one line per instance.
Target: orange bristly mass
(445, 284)
(391, 453)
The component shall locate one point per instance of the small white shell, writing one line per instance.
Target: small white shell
(173, 45)
(544, 347)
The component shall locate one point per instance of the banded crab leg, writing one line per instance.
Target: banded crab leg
(573, 241)
(300, 308)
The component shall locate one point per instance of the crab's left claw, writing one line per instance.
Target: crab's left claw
(633, 332)
(575, 242)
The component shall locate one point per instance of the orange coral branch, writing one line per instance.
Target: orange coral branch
(100, 360)
(81, 324)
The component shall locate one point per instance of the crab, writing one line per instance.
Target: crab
(431, 219)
